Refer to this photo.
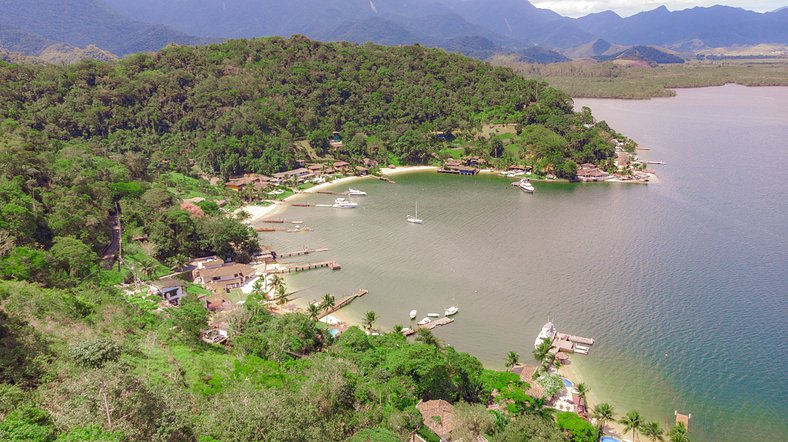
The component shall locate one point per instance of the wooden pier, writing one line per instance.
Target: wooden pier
(281, 221)
(437, 323)
(300, 253)
(344, 301)
(296, 229)
(328, 192)
(333, 265)
(572, 344)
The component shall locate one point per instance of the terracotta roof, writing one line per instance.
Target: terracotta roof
(527, 373)
(535, 391)
(444, 410)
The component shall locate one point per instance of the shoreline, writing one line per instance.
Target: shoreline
(594, 397)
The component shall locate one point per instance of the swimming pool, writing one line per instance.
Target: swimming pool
(567, 383)
(609, 439)
(334, 332)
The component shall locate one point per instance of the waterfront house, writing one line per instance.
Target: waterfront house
(169, 289)
(224, 278)
(249, 179)
(316, 169)
(215, 303)
(362, 171)
(301, 175)
(475, 161)
(457, 167)
(342, 167)
(622, 160)
(370, 163)
(590, 172)
(438, 416)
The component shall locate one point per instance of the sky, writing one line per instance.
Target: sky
(624, 8)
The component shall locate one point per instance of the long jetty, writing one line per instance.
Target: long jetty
(300, 253)
(333, 265)
(344, 301)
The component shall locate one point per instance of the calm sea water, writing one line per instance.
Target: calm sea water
(683, 283)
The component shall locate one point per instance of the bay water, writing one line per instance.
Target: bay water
(683, 283)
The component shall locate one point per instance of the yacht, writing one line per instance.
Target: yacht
(415, 219)
(344, 203)
(413, 314)
(426, 320)
(548, 332)
(451, 311)
(352, 191)
(525, 185)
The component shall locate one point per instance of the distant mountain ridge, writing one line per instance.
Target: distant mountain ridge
(478, 28)
(29, 26)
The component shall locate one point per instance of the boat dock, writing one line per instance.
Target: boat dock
(572, 344)
(295, 229)
(654, 162)
(333, 265)
(437, 323)
(281, 221)
(300, 253)
(683, 418)
(328, 192)
(344, 301)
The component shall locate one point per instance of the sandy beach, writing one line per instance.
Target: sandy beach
(407, 169)
(594, 397)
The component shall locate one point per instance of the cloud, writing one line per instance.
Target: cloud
(577, 8)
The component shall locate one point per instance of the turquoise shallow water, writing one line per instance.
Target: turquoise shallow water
(683, 283)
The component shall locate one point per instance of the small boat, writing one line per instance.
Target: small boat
(433, 315)
(352, 191)
(276, 192)
(424, 321)
(413, 314)
(525, 185)
(344, 203)
(451, 311)
(415, 219)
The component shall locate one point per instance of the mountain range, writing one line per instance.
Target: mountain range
(478, 28)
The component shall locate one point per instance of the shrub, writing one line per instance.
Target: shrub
(581, 429)
(94, 354)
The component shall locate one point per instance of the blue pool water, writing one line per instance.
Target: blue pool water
(568, 383)
(334, 332)
(609, 439)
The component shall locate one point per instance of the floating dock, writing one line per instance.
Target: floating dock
(437, 323)
(344, 301)
(333, 265)
(683, 418)
(572, 344)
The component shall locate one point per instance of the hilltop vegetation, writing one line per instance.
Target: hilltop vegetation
(85, 357)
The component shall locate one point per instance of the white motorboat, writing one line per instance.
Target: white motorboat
(352, 191)
(344, 203)
(525, 185)
(413, 314)
(451, 311)
(433, 315)
(415, 219)
(276, 192)
(424, 321)
(548, 332)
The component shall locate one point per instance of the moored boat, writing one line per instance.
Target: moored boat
(524, 185)
(413, 314)
(352, 191)
(548, 332)
(344, 203)
(424, 321)
(433, 315)
(451, 311)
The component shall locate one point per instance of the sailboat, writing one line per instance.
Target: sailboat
(415, 219)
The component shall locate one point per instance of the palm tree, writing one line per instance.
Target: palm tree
(258, 288)
(652, 430)
(537, 407)
(147, 269)
(632, 421)
(313, 311)
(678, 433)
(603, 413)
(426, 336)
(397, 329)
(369, 320)
(542, 350)
(582, 390)
(512, 359)
(281, 295)
(276, 282)
(328, 302)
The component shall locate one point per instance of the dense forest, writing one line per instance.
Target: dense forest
(82, 359)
